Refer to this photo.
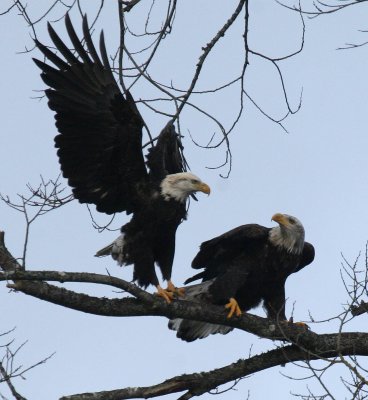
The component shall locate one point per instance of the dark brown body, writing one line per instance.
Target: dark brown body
(246, 266)
(150, 238)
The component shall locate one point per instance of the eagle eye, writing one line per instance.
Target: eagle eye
(194, 181)
(292, 220)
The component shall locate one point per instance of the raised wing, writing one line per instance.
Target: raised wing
(166, 156)
(100, 130)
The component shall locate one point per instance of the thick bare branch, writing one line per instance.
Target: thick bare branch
(199, 383)
(145, 304)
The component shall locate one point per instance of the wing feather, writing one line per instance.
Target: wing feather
(227, 244)
(166, 156)
(307, 256)
(90, 46)
(100, 131)
(75, 40)
(63, 49)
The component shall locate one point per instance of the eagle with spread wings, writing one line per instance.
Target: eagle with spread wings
(100, 153)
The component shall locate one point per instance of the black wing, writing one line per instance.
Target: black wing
(274, 301)
(307, 256)
(166, 156)
(216, 254)
(100, 130)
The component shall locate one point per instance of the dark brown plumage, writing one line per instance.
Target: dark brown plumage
(249, 264)
(100, 153)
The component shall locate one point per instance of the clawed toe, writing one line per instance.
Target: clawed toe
(234, 308)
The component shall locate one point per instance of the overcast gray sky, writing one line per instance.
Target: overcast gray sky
(317, 172)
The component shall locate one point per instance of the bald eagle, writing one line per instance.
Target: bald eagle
(100, 153)
(242, 267)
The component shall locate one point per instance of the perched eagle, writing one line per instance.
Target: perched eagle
(100, 152)
(243, 267)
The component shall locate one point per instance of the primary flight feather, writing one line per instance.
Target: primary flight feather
(100, 153)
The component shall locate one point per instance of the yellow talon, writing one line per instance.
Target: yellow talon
(172, 288)
(302, 325)
(166, 295)
(234, 308)
(180, 291)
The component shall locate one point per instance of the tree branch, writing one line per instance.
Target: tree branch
(199, 383)
(304, 345)
(144, 304)
(358, 310)
(7, 379)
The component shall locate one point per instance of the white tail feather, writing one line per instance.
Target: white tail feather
(190, 330)
(115, 249)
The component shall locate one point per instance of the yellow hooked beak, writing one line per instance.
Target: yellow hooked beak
(203, 187)
(280, 219)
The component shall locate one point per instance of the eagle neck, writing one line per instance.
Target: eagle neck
(286, 239)
(170, 192)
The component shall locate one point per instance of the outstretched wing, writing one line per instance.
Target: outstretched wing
(100, 130)
(166, 156)
(217, 254)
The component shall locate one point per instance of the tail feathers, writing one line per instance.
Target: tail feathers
(106, 251)
(189, 330)
(198, 293)
(192, 330)
(194, 278)
(115, 249)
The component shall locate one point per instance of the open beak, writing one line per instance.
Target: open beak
(280, 219)
(203, 187)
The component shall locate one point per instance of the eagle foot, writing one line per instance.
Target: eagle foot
(302, 325)
(299, 324)
(165, 294)
(234, 308)
(180, 292)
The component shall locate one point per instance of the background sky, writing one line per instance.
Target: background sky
(317, 172)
